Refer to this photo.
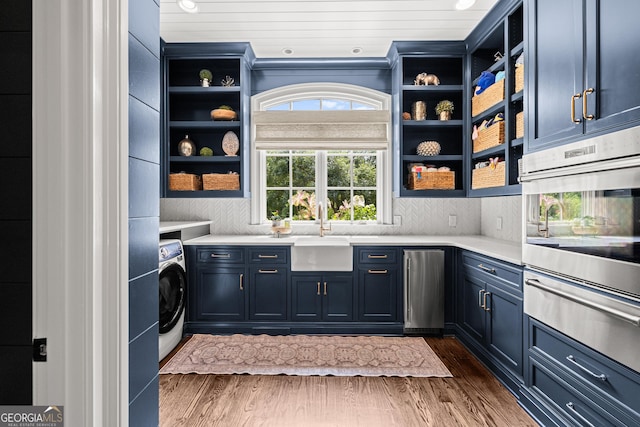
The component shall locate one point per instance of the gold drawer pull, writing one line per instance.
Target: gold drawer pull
(377, 256)
(268, 271)
(268, 256)
(378, 271)
(487, 269)
(573, 108)
(318, 288)
(241, 282)
(584, 104)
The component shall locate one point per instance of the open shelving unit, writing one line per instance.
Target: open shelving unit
(187, 111)
(507, 38)
(447, 62)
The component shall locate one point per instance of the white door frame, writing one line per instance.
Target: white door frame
(80, 217)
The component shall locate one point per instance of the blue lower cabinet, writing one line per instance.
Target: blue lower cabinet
(569, 383)
(218, 294)
(378, 294)
(268, 292)
(327, 297)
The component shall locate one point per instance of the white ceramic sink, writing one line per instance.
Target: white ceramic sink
(315, 253)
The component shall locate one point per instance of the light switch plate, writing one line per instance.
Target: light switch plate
(499, 223)
(453, 220)
(397, 220)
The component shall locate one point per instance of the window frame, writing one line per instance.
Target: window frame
(380, 101)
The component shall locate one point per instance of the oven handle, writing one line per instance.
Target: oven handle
(634, 320)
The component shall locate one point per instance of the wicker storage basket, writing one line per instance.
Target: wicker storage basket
(184, 182)
(490, 97)
(488, 177)
(489, 137)
(432, 181)
(520, 124)
(221, 181)
(519, 83)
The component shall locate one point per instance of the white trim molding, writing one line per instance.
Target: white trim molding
(80, 193)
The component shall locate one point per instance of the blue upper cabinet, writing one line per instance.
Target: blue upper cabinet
(583, 70)
(187, 115)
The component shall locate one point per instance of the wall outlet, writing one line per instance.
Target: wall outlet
(453, 220)
(397, 220)
(499, 223)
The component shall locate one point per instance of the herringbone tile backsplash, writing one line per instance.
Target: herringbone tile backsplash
(416, 216)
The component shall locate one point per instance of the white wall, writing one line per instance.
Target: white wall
(509, 209)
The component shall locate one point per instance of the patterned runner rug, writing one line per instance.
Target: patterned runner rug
(370, 356)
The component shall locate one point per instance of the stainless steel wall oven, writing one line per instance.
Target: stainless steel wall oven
(581, 241)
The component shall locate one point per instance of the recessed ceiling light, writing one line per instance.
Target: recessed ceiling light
(287, 51)
(356, 50)
(464, 4)
(188, 6)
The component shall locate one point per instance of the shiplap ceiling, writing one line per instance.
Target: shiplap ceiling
(319, 28)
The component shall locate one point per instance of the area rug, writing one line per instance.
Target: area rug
(370, 356)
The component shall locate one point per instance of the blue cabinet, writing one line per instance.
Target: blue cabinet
(326, 297)
(379, 284)
(582, 65)
(490, 315)
(268, 292)
(571, 384)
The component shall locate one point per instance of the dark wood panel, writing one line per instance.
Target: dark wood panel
(472, 397)
(144, 74)
(15, 375)
(14, 301)
(16, 16)
(16, 256)
(143, 303)
(143, 351)
(143, 410)
(144, 188)
(144, 24)
(15, 125)
(15, 63)
(15, 188)
(144, 131)
(143, 246)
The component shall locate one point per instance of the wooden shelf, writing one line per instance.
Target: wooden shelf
(443, 158)
(204, 159)
(435, 123)
(202, 124)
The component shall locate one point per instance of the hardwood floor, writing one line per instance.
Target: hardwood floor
(473, 397)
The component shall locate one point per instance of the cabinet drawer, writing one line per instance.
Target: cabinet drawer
(484, 267)
(605, 377)
(377, 255)
(269, 255)
(572, 404)
(220, 255)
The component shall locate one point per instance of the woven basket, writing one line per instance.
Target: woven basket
(488, 177)
(520, 124)
(489, 137)
(184, 182)
(432, 181)
(487, 99)
(519, 83)
(221, 181)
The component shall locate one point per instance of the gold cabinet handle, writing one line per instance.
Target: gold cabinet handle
(267, 271)
(241, 282)
(268, 256)
(377, 271)
(325, 288)
(318, 288)
(377, 256)
(487, 269)
(480, 303)
(584, 104)
(220, 255)
(573, 108)
(484, 301)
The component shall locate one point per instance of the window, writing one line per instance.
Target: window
(313, 145)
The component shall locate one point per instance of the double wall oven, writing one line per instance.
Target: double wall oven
(581, 243)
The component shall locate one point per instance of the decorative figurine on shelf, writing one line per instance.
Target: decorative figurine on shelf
(428, 148)
(227, 81)
(206, 152)
(230, 144)
(223, 112)
(419, 110)
(186, 147)
(205, 77)
(444, 109)
(426, 79)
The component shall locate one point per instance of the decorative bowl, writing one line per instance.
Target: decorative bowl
(222, 114)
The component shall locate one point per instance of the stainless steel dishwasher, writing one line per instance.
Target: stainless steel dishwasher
(423, 291)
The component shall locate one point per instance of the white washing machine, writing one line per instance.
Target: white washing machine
(173, 292)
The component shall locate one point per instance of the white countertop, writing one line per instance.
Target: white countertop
(501, 249)
(169, 226)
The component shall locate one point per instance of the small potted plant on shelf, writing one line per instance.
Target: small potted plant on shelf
(205, 77)
(444, 109)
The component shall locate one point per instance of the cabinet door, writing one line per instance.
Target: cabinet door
(337, 297)
(504, 324)
(471, 313)
(220, 294)
(378, 294)
(613, 63)
(556, 68)
(268, 293)
(306, 298)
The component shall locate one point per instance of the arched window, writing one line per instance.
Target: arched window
(321, 141)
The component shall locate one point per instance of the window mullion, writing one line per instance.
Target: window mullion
(321, 179)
